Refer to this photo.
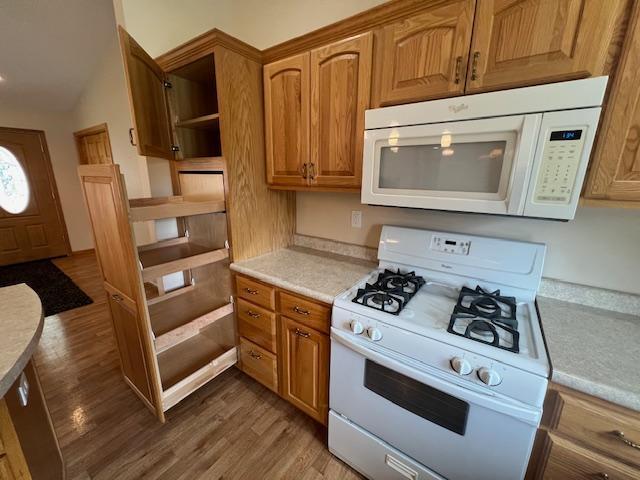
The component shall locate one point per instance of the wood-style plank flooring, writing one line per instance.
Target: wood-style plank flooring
(232, 428)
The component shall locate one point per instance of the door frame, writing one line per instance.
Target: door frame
(100, 128)
(52, 179)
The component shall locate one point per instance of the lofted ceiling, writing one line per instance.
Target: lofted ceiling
(49, 49)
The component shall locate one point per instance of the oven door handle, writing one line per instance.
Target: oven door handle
(500, 404)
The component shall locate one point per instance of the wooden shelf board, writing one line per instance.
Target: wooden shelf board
(156, 208)
(157, 298)
(164, 260)
(205, 121)
(177, 311)
(182, 332)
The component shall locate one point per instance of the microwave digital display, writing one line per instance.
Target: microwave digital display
(566, 135)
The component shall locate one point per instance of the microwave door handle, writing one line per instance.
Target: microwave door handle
(524, 413)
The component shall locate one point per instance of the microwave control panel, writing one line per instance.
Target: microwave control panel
(559, 167)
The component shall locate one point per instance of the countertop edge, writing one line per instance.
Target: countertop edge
(321, 297)
(21, 362)
(610, 394)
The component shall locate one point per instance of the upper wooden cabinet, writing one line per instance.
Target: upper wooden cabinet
(148, 99)
(286, 102)
(340, 90)
(525, 42)
(615, 168)
(424, 56)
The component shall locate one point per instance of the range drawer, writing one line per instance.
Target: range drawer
(256, 292)
(568, 461)
(256, 324)
(599, 428)
(259, 364)
(309, 313)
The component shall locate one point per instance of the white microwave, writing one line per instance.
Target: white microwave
(521, 152)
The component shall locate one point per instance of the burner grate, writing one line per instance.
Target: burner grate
(390, 292)
(484, 316)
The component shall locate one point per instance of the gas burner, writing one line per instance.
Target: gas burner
(389, 300)
(486, 317)
(409, 282)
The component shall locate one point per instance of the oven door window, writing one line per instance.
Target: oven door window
(420, 399)
(463, 165)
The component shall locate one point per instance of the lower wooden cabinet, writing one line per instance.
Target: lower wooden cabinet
(285, 347)
(304, 358)
(582, 437)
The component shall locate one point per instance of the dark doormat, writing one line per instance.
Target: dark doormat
(57, 292)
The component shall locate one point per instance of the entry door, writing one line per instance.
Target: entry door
(31, 222)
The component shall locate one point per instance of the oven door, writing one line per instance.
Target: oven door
(471, 166)
(454, 431)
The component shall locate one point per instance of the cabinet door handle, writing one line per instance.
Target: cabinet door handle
(300, 333)
(251, 291)
(474, 66)
(603, 476)
(625, 440)
(301, 311)
(131, 138)
(255, 355)
(303, 170)
(312, 171)
(253, 314)
(458, 67)
(117, 297)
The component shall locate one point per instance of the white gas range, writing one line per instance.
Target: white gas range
(438, 362)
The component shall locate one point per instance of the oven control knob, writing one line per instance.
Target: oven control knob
(489, 377)
(461, 366)
(356, 327)
(374, 334)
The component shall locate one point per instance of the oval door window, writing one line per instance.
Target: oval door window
(14, 187)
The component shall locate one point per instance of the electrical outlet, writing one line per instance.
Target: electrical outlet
(356, 219)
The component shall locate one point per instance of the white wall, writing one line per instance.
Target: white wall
(160, 25)
(601, 247)
(58, 128)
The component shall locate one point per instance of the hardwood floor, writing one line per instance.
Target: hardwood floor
(232, 428)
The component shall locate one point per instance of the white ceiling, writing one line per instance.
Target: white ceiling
(49, 49)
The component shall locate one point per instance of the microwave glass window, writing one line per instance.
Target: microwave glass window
(456, 167)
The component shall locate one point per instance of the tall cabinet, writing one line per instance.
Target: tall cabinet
(197, 107)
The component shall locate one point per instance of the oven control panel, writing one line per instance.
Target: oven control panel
(559, 168)
(450, 245)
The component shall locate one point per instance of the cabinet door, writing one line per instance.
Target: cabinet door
(147, 98)
(424, 56)
(340, 91)
(304, 358)
(127, 329)
(615, 168)
(286, 110)
(526, 42)
(106, 202)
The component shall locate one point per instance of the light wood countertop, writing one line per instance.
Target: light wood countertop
(21, 322)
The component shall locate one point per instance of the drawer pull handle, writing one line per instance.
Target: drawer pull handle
(116, 297)
(255, 355)
(301, 311)
(253, 314)
(251, 291)
(300, 333)
(625, 440)
(603, 476)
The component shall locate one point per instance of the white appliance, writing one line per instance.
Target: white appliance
(410, 395)
(521, 152)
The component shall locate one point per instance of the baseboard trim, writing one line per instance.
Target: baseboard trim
(84, 252)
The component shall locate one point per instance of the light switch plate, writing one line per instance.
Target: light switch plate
(356, 219)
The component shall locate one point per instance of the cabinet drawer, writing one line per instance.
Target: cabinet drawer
(568, 461)
(259, 364)
(599, 427)
(256, 292)
(305, 311)
(257, 324)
